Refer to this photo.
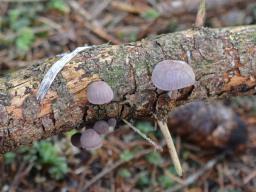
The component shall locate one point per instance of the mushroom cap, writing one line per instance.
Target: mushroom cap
(99, 92)
(101, 127)
(75, 140)
(90, 140)
(112, 122)
(169, 75)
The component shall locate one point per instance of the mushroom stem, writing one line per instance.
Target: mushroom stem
(143, 135)
(168, 138)
(170, 94)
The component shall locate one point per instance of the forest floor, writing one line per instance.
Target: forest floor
(33, 30)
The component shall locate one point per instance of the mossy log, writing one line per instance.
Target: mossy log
(224, 61)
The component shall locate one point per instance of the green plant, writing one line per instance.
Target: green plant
(126, 155)
(23, 16)
(125, 173)
(44, 154)
(165, 181)
(9, 157)
(19, 23)
(150, 14)
(144, 180)
(59, 5)
(144, 126)
(24, 40)
(154, 158)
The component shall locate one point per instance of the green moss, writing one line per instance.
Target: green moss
(114, 72)
(112, 75)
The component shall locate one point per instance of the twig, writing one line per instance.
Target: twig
(249, 177)
(192, 178)
(168, 138)
(114, 166)
(54, 70)
(143, 135)
(92, 26)
(201, 13)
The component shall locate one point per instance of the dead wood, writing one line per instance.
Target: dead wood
(224, 61)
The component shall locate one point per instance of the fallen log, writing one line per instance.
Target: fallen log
(224, 61)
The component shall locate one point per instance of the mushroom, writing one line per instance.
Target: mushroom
(90, 140)
(171, 75)
(99, 92)
(75, 140)
(112, 122)
(101, 127)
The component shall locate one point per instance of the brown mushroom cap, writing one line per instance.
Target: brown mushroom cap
(90, 140)
(169, 75)
(101, 127)
(99, 92)
(75, 140)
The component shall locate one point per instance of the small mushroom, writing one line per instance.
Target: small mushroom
(90, 140)
(171, 75)
(99, 93)
(101, 127)
(112, 122)
(75, 140)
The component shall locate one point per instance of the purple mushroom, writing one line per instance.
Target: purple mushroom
(101, 127)
(112, 122)
(75, 140)
(171, 75)
(90, 140)
(99, 92)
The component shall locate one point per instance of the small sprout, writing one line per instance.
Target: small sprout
(9, 157)
(112, 122)
(75, 140)
(90, 140)
(99, 93)
(171, 75)
(126, 155)
(125, 173)
(101, 127)
(154, 158)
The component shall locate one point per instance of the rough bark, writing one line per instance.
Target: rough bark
(224, 61)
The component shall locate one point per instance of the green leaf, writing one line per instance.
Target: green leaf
(144, 180)
(150, 14)
(18, 20)
(145, 126)
(172, 170)
(43, 154)
(59, 168)
(13, 16)
(59, 5)
(126, 155)
(24, 40)
(125, 173)
(154, 158)
(9, 157)
(165, 181)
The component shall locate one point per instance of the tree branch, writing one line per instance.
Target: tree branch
(224, 61)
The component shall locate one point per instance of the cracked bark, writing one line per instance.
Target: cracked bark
(224, 61)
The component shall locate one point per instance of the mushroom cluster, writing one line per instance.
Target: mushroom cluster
(91, 139)
(171, 75)
(98, 93)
